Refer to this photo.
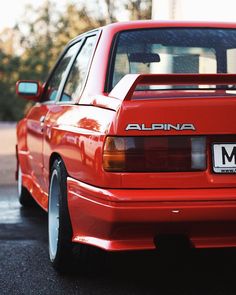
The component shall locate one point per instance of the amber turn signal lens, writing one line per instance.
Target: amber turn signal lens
(114, 154)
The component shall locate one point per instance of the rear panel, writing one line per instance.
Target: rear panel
(171, 127)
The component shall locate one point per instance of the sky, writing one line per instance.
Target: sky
(13, 10)
(221, 10)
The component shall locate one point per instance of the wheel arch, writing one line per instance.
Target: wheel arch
(54, 156)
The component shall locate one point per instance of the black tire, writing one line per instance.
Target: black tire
(60, 251)
(65, 256)
(24, 196)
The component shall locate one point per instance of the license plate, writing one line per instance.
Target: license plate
(224, 158)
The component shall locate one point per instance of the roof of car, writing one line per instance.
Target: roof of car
(113, 28)
(168, 23)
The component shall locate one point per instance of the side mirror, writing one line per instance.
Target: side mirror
(30, 90)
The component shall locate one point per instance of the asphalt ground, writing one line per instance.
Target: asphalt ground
(25, 266)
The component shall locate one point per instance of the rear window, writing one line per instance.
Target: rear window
(167, 51)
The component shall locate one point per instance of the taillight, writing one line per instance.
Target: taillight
(154, 154)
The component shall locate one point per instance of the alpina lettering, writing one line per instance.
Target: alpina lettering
(160, 126)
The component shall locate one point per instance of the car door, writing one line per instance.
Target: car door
(66, 113)
(38, 113)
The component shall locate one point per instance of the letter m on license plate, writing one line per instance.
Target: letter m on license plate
(224, 158)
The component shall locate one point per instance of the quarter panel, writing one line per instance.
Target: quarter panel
(77, 134)
(22, 150)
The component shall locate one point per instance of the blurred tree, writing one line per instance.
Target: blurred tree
(42, 35)
(72, 22)
(11, 107)
(108, 11)
(139, 9)
(9, 41)
(37, 38)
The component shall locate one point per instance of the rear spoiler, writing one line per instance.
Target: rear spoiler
(125, 88)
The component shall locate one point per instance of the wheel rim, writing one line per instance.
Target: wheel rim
(19, 181)
(53, 215)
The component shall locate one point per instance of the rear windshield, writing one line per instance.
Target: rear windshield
(166, 51)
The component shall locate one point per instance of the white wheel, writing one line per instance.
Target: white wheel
(53, 215)
(19, 181)
(59, 226)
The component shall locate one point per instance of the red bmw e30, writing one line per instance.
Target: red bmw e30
(133, 138)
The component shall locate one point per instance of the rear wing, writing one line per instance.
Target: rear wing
(125, 88)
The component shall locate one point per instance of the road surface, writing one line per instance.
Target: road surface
(25, 267)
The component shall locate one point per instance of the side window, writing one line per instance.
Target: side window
(79, 71)
(60, 72)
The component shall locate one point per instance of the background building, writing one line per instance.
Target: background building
(208, 10)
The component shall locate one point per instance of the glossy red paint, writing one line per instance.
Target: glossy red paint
(123, 211)
(115, 219)
(34, 97)
(125, 88)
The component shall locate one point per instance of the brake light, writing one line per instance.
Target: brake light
(154, 154)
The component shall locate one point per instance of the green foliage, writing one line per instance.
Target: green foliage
(10, 106)
(42, 36)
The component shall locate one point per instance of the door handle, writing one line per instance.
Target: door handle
(42, 119)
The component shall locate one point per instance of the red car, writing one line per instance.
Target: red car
(132, 139)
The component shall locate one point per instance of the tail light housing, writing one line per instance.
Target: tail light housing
(154, 154)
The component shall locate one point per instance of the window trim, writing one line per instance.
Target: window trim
(96, 34)
(111, 64)
(61, 56)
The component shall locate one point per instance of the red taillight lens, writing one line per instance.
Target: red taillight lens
(155, 154)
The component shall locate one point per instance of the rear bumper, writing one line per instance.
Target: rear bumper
(109, 219)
